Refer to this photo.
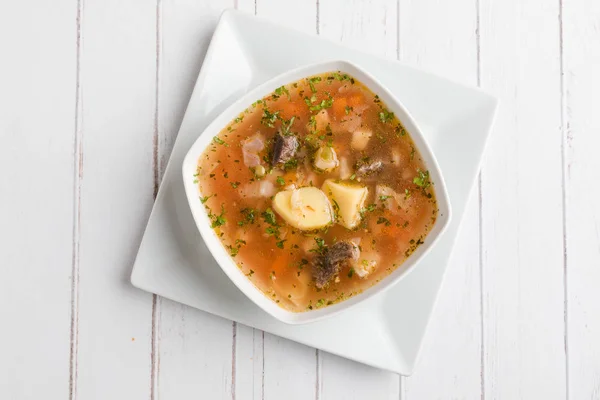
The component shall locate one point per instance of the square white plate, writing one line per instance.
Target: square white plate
(386, 331)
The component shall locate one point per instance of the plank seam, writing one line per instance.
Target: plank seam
(263, 367)
(233, 358)
(154, 350)
(563, 149)
(78, 175)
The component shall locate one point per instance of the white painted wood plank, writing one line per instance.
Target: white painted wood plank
(288, 368)
(581, 52)
(445, 43)
(118, 61)
(249, 363)
(370, 26)
(523, 307)
(193, 351)
(37, 130)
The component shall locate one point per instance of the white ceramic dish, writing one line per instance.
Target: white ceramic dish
(386, 330)
(227, 263)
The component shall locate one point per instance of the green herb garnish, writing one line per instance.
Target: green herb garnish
(219, 220)
(386, 116)
(205, 198)
(269, 217)
(218, 140)
(422, 180)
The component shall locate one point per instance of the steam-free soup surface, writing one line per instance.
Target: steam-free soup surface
(317, 191)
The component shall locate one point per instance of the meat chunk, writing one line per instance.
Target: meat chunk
(284, 149)
(327, 265)
(370, 168)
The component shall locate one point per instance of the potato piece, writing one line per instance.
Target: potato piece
(322, 119)
(360, 139)
(349, 198)
(306, 208)
(326, 159)
(366, 264)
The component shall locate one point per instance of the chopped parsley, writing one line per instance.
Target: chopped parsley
(249, 216)
(220, 141)
(384, 197)
(386, 116)
(311, 82)
(287, 125)
(280, 243)
(218, 220)
(233, 250)
(205, 198)
(280, 181)
(250, 273)
(383, 220)
(321, 246)
(281, 90)
(269, 217)
(290, 164)
(325, 103)
(422, 180)
(269, 118)
(351, 273)
(348, 109)
(234, 184)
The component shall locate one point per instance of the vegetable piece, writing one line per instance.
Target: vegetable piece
(326, 159)
(360, 139)
(345, 170)
(366, 264)
(322, 120)
(349, 198)
(306, 208)
(260, 171)
(250, 149)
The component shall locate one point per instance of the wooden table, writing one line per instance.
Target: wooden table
(91, 96)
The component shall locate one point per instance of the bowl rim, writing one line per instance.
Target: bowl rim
(217, 249)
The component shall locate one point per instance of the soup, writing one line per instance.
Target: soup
(317, 191)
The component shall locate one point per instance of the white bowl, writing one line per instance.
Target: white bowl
(222, 256)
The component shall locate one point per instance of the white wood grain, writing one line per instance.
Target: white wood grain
(118, 61)
(249, 363)
(523, 307)
(370, 26)
(37, 131)
(581, 124)
(445, 42)
(193, 351)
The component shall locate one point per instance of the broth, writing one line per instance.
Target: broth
(317, 191)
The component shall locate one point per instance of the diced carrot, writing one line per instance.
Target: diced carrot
(339, 107)
(356, 99)
(281, 262)
(289, 109)
(289, 177)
